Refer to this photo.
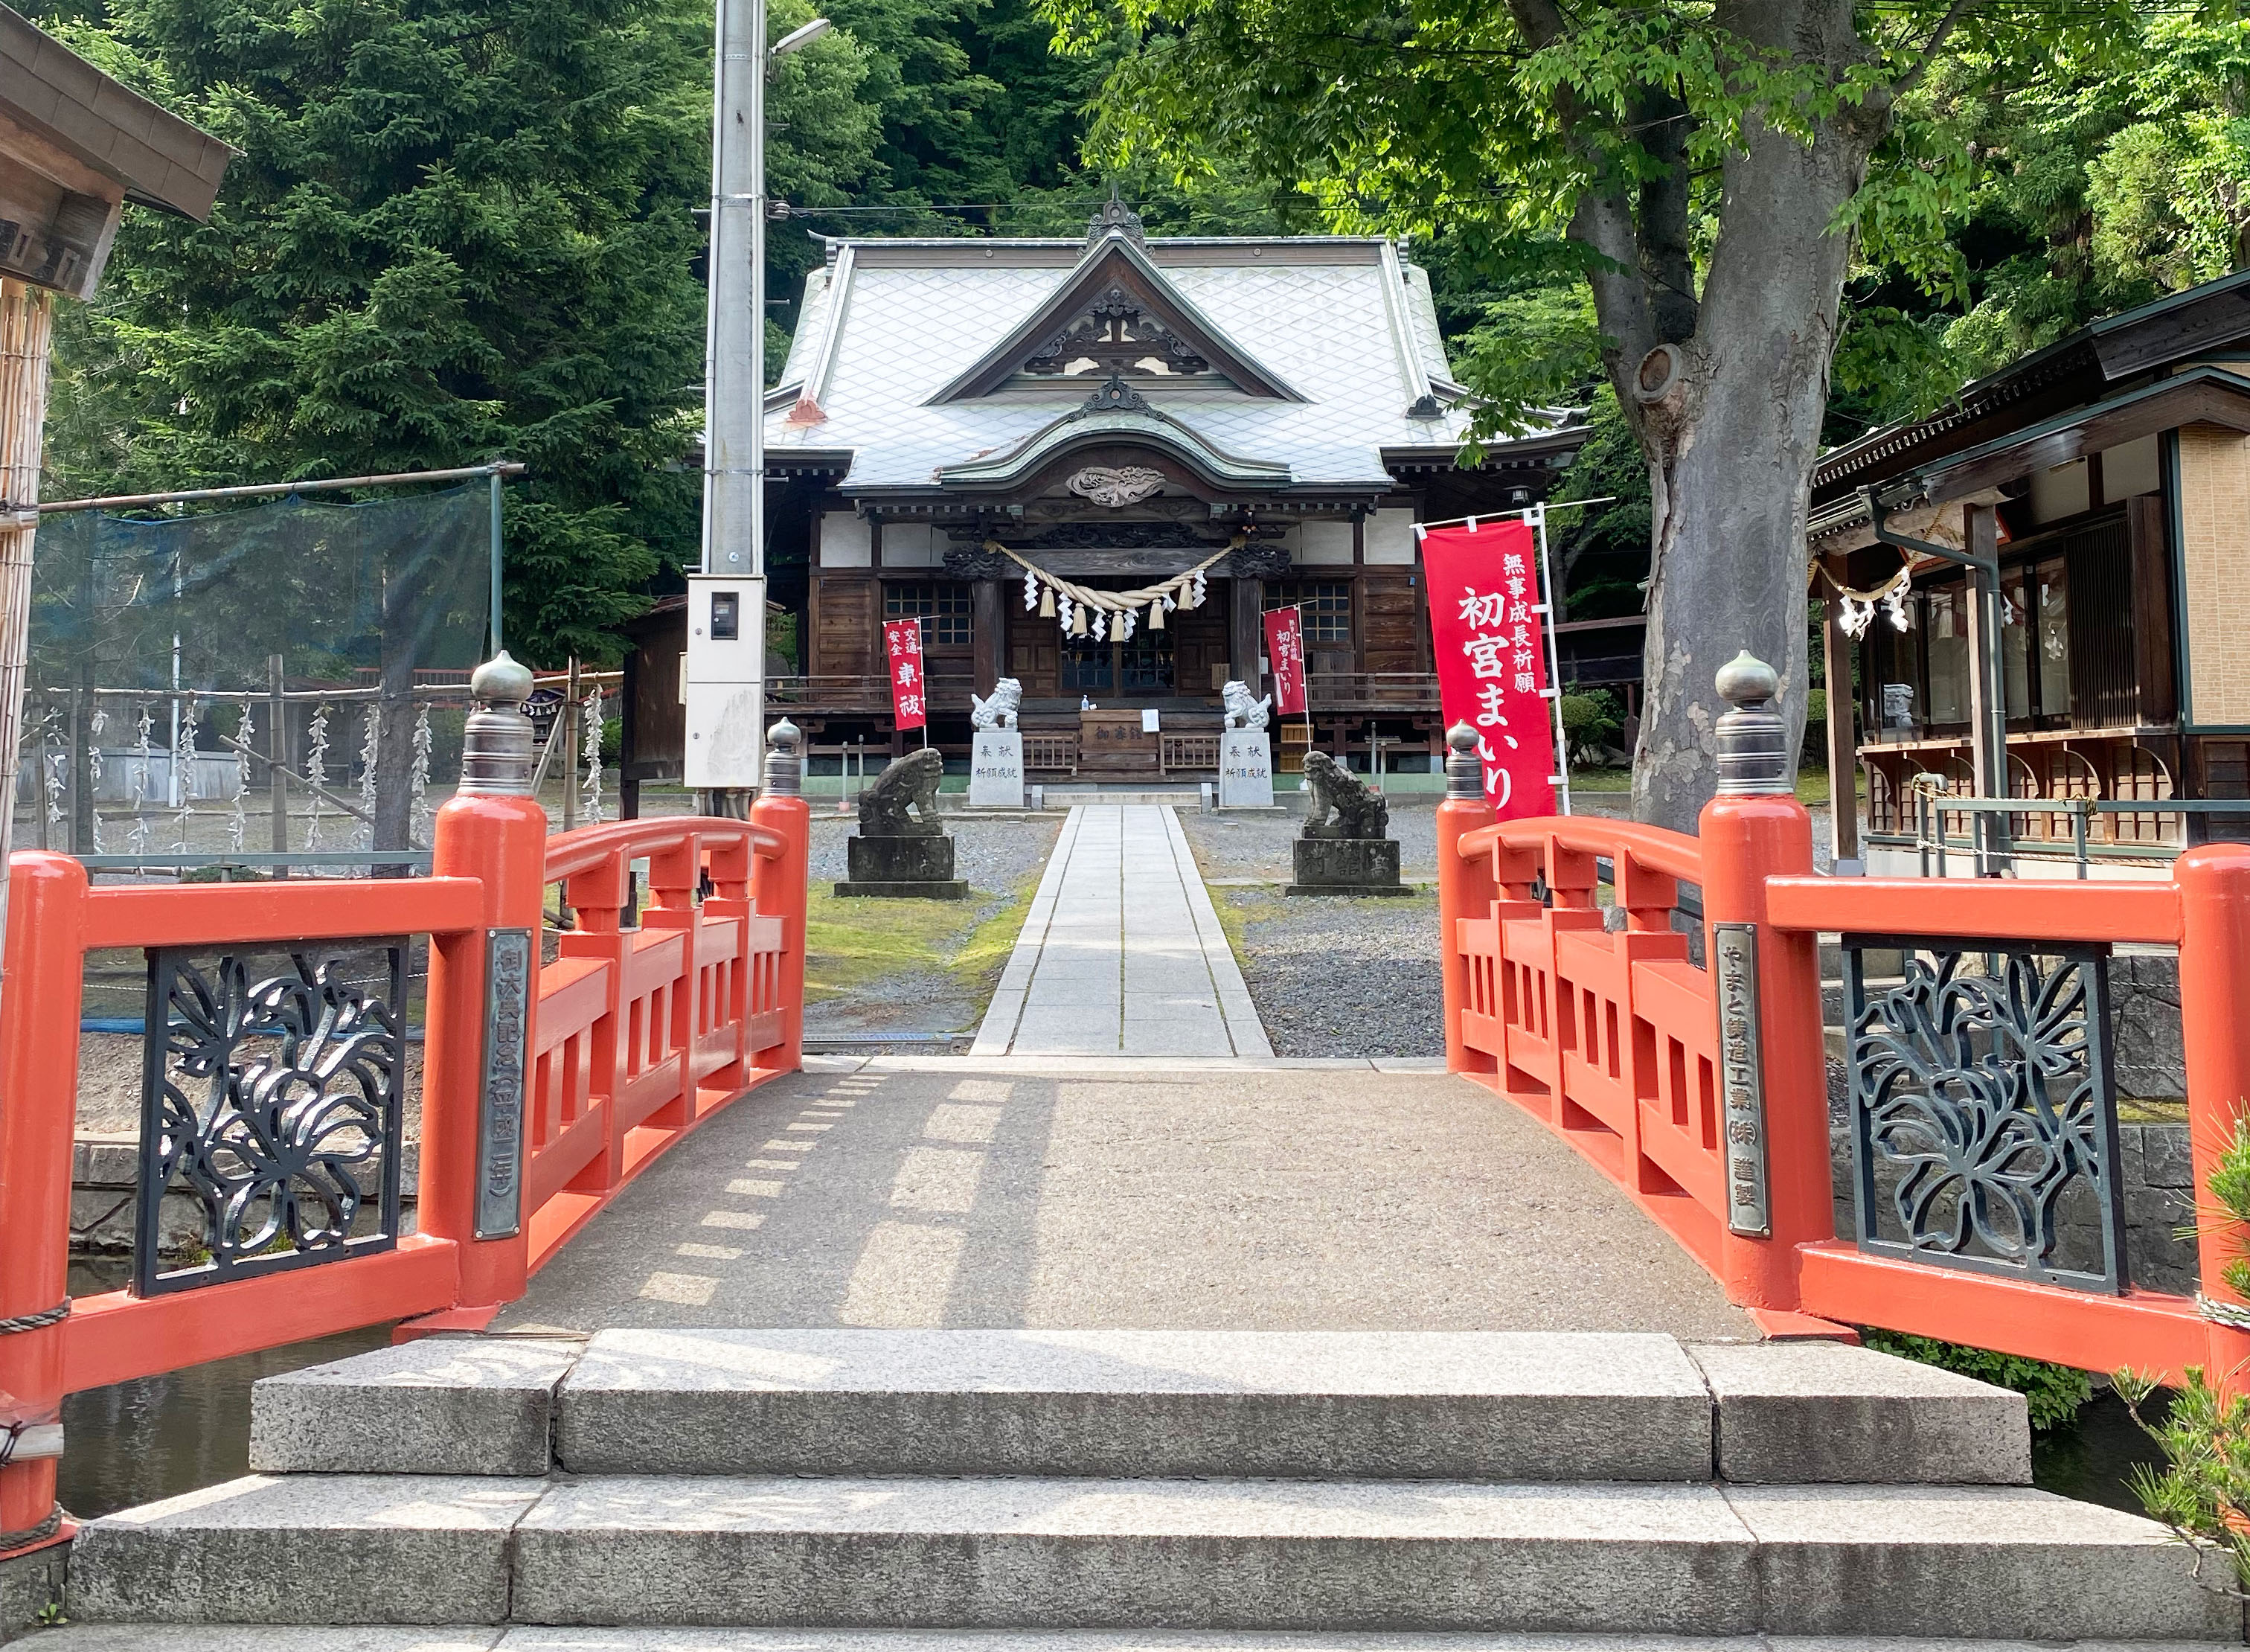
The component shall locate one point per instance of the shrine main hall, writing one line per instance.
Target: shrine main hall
(966, 430)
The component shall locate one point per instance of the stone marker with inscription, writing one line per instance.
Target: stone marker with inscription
(1246, 755)
(996, 748)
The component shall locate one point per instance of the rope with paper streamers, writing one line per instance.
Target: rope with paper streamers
(1082, 611)
(1858, 606)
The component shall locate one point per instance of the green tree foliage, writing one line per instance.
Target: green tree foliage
(457, 230)
(2115, 173)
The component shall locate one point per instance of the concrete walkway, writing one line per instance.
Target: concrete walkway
(926, 1192)
(1122, 953)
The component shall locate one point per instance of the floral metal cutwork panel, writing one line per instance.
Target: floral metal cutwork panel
(277, 1102)
(1985, 1116)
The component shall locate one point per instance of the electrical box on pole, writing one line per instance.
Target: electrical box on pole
(722, 680)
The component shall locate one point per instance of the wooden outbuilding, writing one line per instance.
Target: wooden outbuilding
(2050, 582)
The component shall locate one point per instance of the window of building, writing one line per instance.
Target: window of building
(1325, 605)
(943, 611)
(1946, 610)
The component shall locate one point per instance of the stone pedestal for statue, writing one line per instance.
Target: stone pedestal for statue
(996, 769)
(1345, 846)
(901, 852)
(904, 868)
(1346, 866)
(1246, 769)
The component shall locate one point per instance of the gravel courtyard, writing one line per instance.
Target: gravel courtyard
(1329, 977)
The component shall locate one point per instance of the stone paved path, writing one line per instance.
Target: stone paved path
(925, 1191)
(1121, 953)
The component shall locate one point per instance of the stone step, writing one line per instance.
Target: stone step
(1472, 1405)
(306, 1549)
(1382, 1555)
(2003, 1562)
(287, 1637)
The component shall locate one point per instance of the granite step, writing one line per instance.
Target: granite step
(284, 1637)
(1466, 1406)
(841, 1552)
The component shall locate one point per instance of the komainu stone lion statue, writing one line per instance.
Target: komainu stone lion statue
(1243, 712)
(909, 783)
(1333, 791)
(998, 712)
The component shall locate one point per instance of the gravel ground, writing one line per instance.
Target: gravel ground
(998, 857)
(1342, 978)
(1229, 847)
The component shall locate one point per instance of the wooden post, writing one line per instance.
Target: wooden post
(27, 319)
(1465, 887)
(988, 633)
(1988, 687)
(2214, 974)
(45, 971)
(1836, 651)
(1756, 829)
(567, 731)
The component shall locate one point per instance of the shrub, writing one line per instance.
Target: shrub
(2203, 1492)
(1591, 718)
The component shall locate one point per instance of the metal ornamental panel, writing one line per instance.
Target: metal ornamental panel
(499, 1102)
(1984, 1109)
(277, 1102)
(1741, 1076)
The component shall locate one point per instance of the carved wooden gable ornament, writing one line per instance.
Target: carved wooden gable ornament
(1116, 316)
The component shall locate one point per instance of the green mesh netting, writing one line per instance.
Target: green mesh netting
(335, 589)
(150, 716)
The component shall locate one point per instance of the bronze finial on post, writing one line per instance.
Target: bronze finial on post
(784, 763)
(1753, 738)
(496, 744)
(1464, 768)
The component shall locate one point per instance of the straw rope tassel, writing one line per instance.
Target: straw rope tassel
(1157, 614)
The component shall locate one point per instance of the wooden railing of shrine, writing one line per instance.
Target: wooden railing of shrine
(1677, 1043)
(557, 1065)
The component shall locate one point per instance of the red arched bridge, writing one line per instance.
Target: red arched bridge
(1653, 997)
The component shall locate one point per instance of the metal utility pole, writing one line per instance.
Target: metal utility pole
(725, 679)
(734, 377)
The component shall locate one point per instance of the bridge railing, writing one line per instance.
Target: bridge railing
(276, 1070)
(1686, 1059)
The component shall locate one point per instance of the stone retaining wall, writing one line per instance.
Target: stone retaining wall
(105, 1180)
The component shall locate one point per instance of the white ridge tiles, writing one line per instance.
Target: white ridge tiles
(1121, 953)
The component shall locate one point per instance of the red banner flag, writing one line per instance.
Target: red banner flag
(902, 648)
(1285, 657)
(1485, 623)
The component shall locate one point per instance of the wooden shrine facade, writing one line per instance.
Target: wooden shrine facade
(2108, 477)
(1117, 412)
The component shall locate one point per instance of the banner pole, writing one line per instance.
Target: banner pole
(1538, 515)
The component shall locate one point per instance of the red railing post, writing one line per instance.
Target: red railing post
(1753, 830)
(39, 1075)
(1465, 887)
(778, 886)
(493, 829)
(2215, 979)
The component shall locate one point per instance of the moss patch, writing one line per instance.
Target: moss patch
(849, 942)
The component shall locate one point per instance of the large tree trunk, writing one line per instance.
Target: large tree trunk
(1732, 437)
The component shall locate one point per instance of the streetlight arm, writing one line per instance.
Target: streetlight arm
(797, 39)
